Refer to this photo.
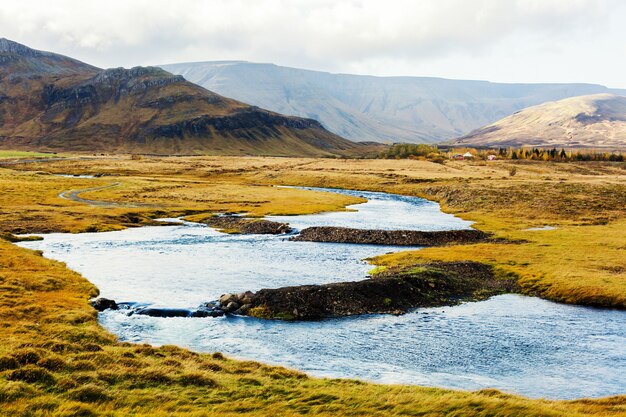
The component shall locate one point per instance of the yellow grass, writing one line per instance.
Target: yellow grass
(55, 360)
(25, 154)
(44, 307)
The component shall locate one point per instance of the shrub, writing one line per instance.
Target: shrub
(172, 362)
(8, 362)
(196, 379)
(52, 363)
(153, 376)
(76, 410)
(62, 347)
(15, 390)
(218, 356)
(250, 382)
(210, 366)
(32, 375)
(89, 393)
(66, 383)
(83, 365)
(26, 356)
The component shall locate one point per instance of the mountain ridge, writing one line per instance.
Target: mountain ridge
(50, 102)
(591, 121)
(367, 107)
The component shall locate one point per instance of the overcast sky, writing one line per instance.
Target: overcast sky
(496, 40)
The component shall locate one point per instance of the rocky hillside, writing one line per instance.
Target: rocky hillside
(390, 109)
(49, 102)
(592, 121)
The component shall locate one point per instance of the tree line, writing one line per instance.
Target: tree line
(432, 152)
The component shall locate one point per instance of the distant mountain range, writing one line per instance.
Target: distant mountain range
(593, 121)
(50, 102)
(382, 109)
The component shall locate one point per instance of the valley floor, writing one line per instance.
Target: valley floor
(56, 360)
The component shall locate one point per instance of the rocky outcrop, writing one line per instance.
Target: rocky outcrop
(249, 118)
(203, 311)
(53, 103)
(395, 292)
(101, 304)
(211, 309)
(390, 237)
(242, 225)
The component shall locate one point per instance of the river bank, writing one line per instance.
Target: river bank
(166, 273)
(391, 292)
(580, 198)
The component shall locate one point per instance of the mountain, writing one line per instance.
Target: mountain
(361, 108)
(50, 102)
(592, 121)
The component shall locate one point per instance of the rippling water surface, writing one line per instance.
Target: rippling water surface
(514, 343)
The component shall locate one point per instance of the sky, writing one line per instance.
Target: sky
(495, 40)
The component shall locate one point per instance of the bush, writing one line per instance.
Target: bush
(210, 366)
(407, 150)
(32, 375)
(27, 356)
(89, 393)
(92, 347)
(8, 362)
(66, 383)
(76, 410)
(83, 365)
(52, 363)
(156, 377)
(250, 382)
(15, 390)
(196, 379)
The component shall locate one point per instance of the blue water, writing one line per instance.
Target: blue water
(517, 344)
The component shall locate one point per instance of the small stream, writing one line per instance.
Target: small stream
(514, 343)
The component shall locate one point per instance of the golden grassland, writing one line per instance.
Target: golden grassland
(56, 360)
(30, 202)
(25, 154)
(582, 261)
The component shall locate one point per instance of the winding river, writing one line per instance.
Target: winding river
(514, 343)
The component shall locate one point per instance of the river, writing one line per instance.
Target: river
(518, 344)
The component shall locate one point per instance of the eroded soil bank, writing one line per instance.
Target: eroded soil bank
(243, 225)
(392, 291)
(390, 237)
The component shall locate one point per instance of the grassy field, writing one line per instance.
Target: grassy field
(25, 154)
(56, 360)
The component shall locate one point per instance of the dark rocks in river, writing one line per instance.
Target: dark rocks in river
(101, 304)
(395, 291)
(390, 237)
(163, 312)
(205, 310)
(201, 312)
(242, 225)
(236, 303)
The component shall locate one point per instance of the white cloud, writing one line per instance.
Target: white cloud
(505, 40)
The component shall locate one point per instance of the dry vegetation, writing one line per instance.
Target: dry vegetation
(56, 360)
